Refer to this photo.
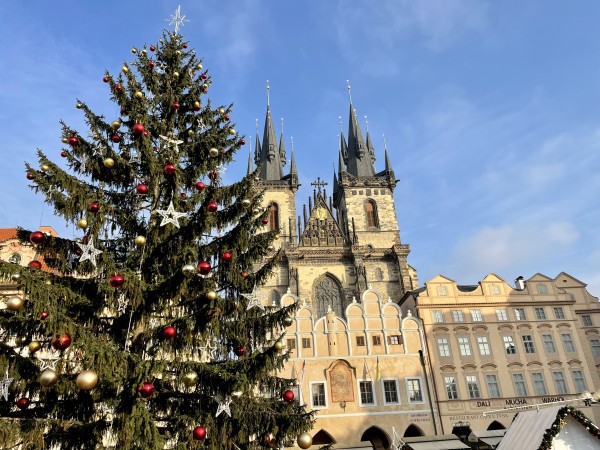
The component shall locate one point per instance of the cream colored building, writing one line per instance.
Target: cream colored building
(494, 347)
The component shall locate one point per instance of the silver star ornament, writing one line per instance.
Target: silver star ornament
(169, 215)
(4, 384)
(255, 300)
(88, 252)
(223, 407)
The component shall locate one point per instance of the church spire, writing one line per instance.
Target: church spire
(257, 147)
(359, 159)
(270, 160)
(293, 170)
(282, 155)
(250, 165)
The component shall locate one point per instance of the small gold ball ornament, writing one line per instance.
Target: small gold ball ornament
(86, 380)
(221, 110)
(178, 52)
(205, 86)
(134, 50)
(48, 378)
(211, 295)
(232, 131)
(82, 223)
(34, 346)
(176, 74)
(140, 241)
(109, 163)
(213, 152)
(15, 303)
(45, 167)
(190, 378)
(95, 136)
(64, 140)
(246, 203)
(125, 69)
(144, 52)
(199, 66)
(79, 105)
(138, 94)
(191, 132)
(304, 440)
(115, 125)
(278, 345)
(196, 104)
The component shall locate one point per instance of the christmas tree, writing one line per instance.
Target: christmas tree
(147, 331)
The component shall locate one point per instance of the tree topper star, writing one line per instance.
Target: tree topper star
(255, 300)
(4, 384)
(169, 215)
(223, 407)
(177, 19)
(88, 252)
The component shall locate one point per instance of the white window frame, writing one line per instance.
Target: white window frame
(437, 316)
(528, 344)
(442, 291)
(360, 402)
(476, 383)
(559, 313)
(476, 315)
(538, 316)
(578, 380)
(501, 314)
(595, 346)
(586, 320)
(495, 382)
(562, 380)
(445, 345)
(397, 384)
(420, 380)
(548, 342)
(455, 384)
(520, 314)
(313, 406)
(568, 343)
(509, 342)
(484, 346)
(458, 316)
(520, 383)
(540, 382)
(464, 348)
(542, 289)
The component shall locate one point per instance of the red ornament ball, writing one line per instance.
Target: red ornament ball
(243, 141)
(61, 342)
(138, 128)
(245, 274)
(265, 220)
(184, 45)
(226, 256)
(183, 195)
(169, 332)
(205, 91)
(105, 79)
(78, 251)
(116, 281)
(151, 64)
(199, 433)
(146, 389)
(204, 268)
(23, 403)
(240, 350)
(118, 88)
(63, 154)
(35, 264)
(204, 76)
(175, 105)
(94, 207)
(212, 207)
(212, 175)
(288, 396)
(200, 186)
(141, 189)
(29, 176)
(152, 48)
(268, 438)
(73, 141)
(44, 315)
(227, 118)
(115, 138)
(169, 169)
(37, 238)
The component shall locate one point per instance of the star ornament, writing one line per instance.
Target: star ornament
(48, 363)
(172, 142)
(223, 407)
(88, 252)
(177, 19)
(4, 385)
(255, 300)
(169, 215)
(209, 350)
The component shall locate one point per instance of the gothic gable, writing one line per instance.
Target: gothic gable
(322, 230)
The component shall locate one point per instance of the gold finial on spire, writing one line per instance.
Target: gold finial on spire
(268, 94)
(340, 118)
(292, 140)
(349, 90)
(256, 126)
(282, 125)
(384, 143)
(367, 123)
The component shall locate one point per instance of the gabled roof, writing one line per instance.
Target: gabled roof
(565, 275)
(492, 277)
(540, 277)
(7, 233)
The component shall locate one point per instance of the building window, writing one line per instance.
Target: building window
(579, 381)
(494, 290)
(394, 340)
(451, 388)
(376, 340)
(15, 258)
(520, 314)
(371, 213)
(443, 346)
(366, 393)
(558, 313)
(540, 314)
(595, 344)
(442, 290)
(476, 315)
(473, 386)
(542, 289)
(305, 342)
(509, 345)
(484, 346)
(438, 316)
(501, 314)
(567, 341)
(457, 315)
(360, 341)
(548, 343)
(528, 343)
(492, 385)
(559, 382)
(413, 387)
(274, 217)
(317, 392)
(519, 383)
(390, 391)
(586, 319)
(464, 346)
(291, 343)
(538, 383)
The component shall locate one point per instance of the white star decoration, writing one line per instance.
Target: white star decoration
(4, 384)
(89, 253)
(169, 215)
(48, 363)
(177, 19)
(135, 158)
(172, 142)
(121, 304)
(209, 350)
(254, 299)
(223, 407)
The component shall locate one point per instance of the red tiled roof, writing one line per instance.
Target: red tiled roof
(7, 233)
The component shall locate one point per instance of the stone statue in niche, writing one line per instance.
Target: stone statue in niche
(327, 294)
(342, 389)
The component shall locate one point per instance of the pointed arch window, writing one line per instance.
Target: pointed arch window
(274, 217)
(371, 213)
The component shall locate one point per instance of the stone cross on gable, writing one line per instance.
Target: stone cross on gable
(319, 184)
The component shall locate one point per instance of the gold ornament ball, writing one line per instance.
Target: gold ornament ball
(190, 378)
(213, 152)
(277, 236)
(134, 50)
(95, 136)
(34, 346)
(64, 140)
(178, 52)
(140, 241)
(176, 74)
(278, 345)
(191, 132)
(221, 110)
(115, 125)
(138, 94)
(246, 203)
(15, 303)
(86, 380)
(144, 52)
(125, 69)
(82, 223)
(211, 295)
(232, 131)
(48, 282)
(45, 167)
(48, 378)
(189, 270)
(304, 440)
(196, 104)
(79, 105)
(109, 163)
(205, 86)
(199, 66)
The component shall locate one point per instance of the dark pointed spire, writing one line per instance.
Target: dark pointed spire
(250, 165)
(257, 147)
(269, 153)
(370, 148)
(341, 165)
(343, 148)
(388, 164)
(293, 170)
(282, 155)
(359, 160)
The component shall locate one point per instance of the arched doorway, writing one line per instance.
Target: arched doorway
(327, 293)
(462, 430)
(378, 439)
(495, 425)
(413, 431)
(322, 437)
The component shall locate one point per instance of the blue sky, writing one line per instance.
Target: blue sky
(490, 110)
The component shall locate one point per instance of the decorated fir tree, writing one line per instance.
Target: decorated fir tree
(146, 332)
